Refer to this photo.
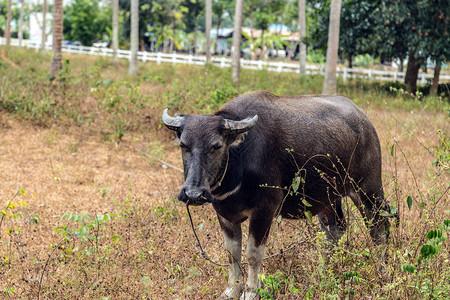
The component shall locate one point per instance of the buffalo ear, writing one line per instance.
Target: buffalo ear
(237, 130)
(173, 123)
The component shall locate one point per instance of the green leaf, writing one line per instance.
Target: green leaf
(447, 223)
(146, 279)
(392, 150)
(306, 203)
(296, 183)
(409, 202)
(308, 215)
(107, 82)
(107, 217)
(408, 268)
(278, 219)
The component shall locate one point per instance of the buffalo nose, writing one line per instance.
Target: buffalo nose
(194, 194)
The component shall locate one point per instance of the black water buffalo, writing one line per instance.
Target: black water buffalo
(258, 140)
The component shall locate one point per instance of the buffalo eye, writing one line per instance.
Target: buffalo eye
(216, 146)
(184, 146)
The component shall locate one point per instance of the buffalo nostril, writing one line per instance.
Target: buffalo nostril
(194, 194)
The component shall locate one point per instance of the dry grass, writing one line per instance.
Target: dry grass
(146, 250)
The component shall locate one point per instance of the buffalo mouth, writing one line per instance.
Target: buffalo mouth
(195, 196)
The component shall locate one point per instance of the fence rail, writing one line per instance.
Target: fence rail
(225, 62)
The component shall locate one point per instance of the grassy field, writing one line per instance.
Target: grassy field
(89, 180)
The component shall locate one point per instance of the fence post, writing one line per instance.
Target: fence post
(190, 59)
(174, 58)
(395, 76)
(158, 58)
(280, 67)
(345, 74)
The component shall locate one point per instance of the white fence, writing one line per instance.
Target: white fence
(225, 62)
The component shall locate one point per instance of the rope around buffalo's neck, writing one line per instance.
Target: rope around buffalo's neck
(219, 183)
(203, 252)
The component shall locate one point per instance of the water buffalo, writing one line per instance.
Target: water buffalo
(258, 140)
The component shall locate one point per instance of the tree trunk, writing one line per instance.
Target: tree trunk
(171, 46)
(302, 24)
(412, 72)
(350, 61)
(208, 25)
(164, 49)
(217, 33)
(56, 65)
(115, 31)
(195, 37)
(44, 26)
(134, 37)
(20, 34)
(435, 85)
(329, 85)
(292, 50)
(8, 25)
(236, 56)
(262, 52)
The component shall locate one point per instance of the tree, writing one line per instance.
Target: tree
(236, 55)
(262, 13)
(56, 65)
(8, 25)
(86, 22)
(20, 33)
(221, 8)
(208, 21)
(417, 29)
(434, 35)
(44, 26)
(134, 37)
(302, 25)
(155, 14)
(358, 20)
(115, 30)
(329, 85)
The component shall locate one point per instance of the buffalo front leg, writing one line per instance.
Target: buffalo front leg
(259, 228)
(233, 241)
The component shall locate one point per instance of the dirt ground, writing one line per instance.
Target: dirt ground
(64, 170)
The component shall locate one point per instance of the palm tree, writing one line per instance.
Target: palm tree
(115, 31)
(208, 21)
(20, 34)
(8, 25)
(134, 38)
(44, 25)
(302, 24)
(236, 55)
(329, 85)
(56, 65)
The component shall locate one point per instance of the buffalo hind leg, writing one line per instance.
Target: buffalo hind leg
(332, 222)
(233, 241)
(371, 205)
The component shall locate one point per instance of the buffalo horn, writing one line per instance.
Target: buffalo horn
(173, 123)
(239, 126)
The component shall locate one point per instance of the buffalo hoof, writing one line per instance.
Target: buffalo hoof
(250, 295)
(231, 292)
